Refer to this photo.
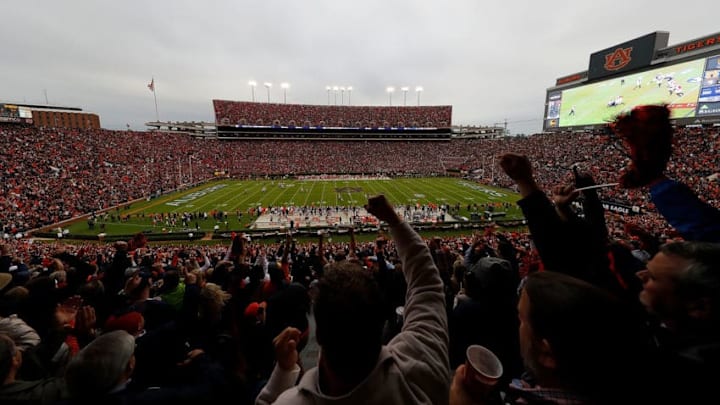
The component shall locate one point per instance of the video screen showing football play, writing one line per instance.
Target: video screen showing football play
(641, 71)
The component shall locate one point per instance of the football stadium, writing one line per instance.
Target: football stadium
(318, 253)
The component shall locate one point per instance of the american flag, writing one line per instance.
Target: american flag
(151, 86)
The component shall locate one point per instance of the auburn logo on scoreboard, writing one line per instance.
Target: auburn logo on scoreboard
(618, 58)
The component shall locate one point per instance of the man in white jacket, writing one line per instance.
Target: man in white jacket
(354, 366)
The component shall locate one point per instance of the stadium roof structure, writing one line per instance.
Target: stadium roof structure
(45, 107)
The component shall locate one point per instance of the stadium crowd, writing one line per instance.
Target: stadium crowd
(305, 115)
(51, 175)
(573, 313)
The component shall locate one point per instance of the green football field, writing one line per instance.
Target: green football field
(590, 102)
(235, 196)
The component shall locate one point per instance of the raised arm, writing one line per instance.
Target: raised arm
(543, 221)
(425, 330)
(565, 244)
(353, 245)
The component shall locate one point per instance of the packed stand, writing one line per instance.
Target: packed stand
(311, 116)
(567, 314)
(51, 175)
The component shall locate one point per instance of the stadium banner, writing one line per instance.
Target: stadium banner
(621, 209)
(708, 109)
(710, 94)
(576, 77)
(704, 43)
(630, 55)
(11, 119)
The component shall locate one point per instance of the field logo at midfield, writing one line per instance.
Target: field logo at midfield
(618, 59)
(195, 195)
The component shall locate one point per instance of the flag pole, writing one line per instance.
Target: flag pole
(157, 115)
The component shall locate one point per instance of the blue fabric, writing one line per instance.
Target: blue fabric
(692, 218)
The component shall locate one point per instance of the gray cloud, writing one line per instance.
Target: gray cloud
(490, 60)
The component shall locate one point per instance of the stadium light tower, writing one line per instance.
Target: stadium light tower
(285, 86)
(328, 88)
(390, 91)
(405, 90)
(335, 90)
(252, 84)
(267, 86)
(342, 95)
(418, 90)
(349, 89)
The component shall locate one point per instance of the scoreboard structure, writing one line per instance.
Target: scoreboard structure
(645, 70)
(47, 116)
(14, 113)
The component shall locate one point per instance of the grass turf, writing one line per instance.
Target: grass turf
(233, 196)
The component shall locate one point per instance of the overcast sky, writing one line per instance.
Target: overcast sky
(491, 60)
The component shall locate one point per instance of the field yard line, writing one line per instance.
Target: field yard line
(221, 194)
(271, 194)
(309, 192)
(412, 191)
(436, 191)
(235, 188)
(477, 196)
(370, 191)
(322, 196)
(255, 189)
(456, 188)
(297, 189)
(411, 195)
(389, 193)
(170, 197)
(245, 195)
(284, 190)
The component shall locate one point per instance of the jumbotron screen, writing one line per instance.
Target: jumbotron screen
(690, 89)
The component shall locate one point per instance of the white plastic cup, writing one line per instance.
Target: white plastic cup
(483, 370)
